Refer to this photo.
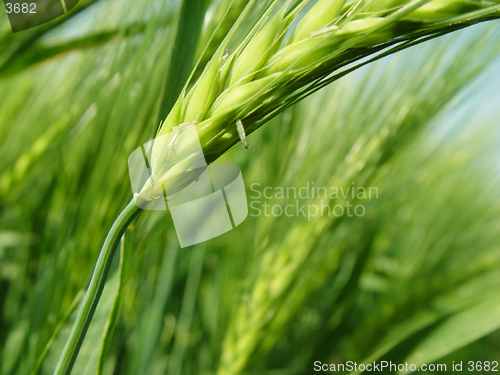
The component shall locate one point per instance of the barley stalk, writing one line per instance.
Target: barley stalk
(266, 74)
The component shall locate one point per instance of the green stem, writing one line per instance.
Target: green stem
(94, 291)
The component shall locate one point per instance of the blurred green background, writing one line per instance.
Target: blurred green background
(416, 279)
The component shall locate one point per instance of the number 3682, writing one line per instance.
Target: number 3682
(21, 8)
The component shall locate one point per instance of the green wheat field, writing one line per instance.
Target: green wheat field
(413, 279)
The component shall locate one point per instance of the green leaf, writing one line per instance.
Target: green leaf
(458, 331)
(183, 53)
(86, 363)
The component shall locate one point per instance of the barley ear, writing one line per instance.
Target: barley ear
(439, 9)
(204, 92)
(320, 16)
(173, 118)
(264, 44)
(232, 99)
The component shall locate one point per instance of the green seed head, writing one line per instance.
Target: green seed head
(439, 9)
(258, 50)
(204, 92)
(299, 56)
(321, 15)
(361, 29)
(263, 75)
(381, 5)
(173, 118)
(234, 98)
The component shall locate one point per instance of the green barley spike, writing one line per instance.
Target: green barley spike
(321, 15)
(256, 53)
